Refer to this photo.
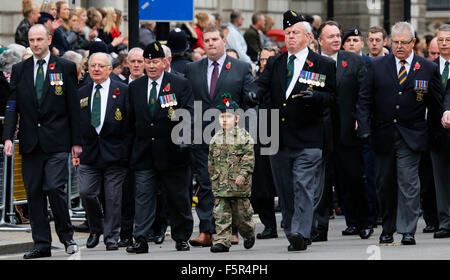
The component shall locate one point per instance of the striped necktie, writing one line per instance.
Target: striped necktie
(402, 75)
(96, 107)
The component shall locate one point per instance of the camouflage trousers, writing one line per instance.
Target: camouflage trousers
(233, 209)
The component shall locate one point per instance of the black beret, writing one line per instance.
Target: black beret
(352, 32)
(45, 17)
(227, 103)
(98, 47)
(290, 18)
(154, 50)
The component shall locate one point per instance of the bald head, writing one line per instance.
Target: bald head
(433, 49)
(39, 39)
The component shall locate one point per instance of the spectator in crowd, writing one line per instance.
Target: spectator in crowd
(179, 45)
(233, 53)
(110, 33)
(202, 21)
(433, 49)
(266, 41)
(234, 39)
(252, 36)
(317, 21)
(94, 19)
(146, 33)
(31, 15)
(135, 63)
(314, 46)
(48, 6)
(376, 39)
(77, 59)
(82, 22)
(263, 57)
(420, 45)
(63, 12)
(216, 19)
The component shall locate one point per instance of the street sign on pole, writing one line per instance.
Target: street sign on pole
(166, 10)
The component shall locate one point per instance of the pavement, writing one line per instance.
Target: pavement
(14, 243)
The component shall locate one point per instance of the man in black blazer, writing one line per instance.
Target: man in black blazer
(300, 84)
(159, 160)
(391, 111)
(104, 115)
(210, 78)
(348, 150)
(440, 137)
(43, 92)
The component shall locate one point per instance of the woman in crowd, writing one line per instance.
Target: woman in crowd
(31, 15)
(49, 7)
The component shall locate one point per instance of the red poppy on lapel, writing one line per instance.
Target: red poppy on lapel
(228, 66)
(117, 91)
(167, 88)
(417, 66)
(310, 63)
(344, 63)
(51, 66)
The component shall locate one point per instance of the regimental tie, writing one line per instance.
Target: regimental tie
(290, 70)
(152, 98)
(96, 107)
(402, 75)
(39, 84)
(444, 76)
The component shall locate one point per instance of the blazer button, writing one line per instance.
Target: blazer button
(397, 107)
(151, 124)
(400, 93)
(395, 120)
(284, 104)
(39, 125)
(153, 139)
(283, 119)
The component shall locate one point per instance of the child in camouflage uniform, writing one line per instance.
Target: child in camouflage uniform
(230, 166)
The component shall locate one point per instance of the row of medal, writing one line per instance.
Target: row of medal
(168, 100)
(56, 79)
(312, 78)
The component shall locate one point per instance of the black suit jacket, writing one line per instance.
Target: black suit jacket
(439, 136)
(55, 124)
(152, 143)
(384, 105)
(236, 80)
(301, 123)
(112, 144)
(350, 73)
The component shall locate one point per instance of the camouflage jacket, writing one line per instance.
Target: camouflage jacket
(231, 156)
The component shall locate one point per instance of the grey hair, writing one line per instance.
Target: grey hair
(110, 58)
(401, 27)
(307, 27)
(135, 49)
(444, 27)
(8, 58)
(167, 51)
(73, 56)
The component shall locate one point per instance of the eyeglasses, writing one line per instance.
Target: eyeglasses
(401, 42)
(442, 40)
(100, 66)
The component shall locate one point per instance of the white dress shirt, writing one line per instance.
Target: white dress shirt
(407, 64)
(44, 66)
(220, 61)
(299, 62)
(104, 100)
(158, 86)
(442, 65)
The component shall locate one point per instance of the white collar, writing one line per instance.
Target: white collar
(409, 59)
(300, 54)
(46, 58)
(158, 81)
(220, 61)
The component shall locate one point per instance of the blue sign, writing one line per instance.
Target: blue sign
(166, 10)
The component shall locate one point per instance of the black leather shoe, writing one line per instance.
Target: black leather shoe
(365, 233)
(84, 227)
(352, 230)
(112, 246)
(158, 239)
(308, 241)
(408, 239)
(430, 229)
(292, 249)
(219, 248)
(442, 233)
(35, 253)
(182, 246)
(125, 242)
(71, 247)
(386, 238)
(140, 247)
(319, 236)
(267, 233)
(248, 243)
(297, 241)
(93, 240)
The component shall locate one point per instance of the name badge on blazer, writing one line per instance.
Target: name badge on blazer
(84, 102)
(420, 88)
